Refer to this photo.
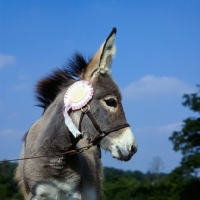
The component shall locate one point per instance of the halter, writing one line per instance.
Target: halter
(101, 134)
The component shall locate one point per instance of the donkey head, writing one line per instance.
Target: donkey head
(106, 106)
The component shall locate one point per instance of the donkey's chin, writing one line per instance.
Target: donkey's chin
(124, 146)
(122, 154)
(122, 158)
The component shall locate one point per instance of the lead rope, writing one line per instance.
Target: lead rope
(76, 151)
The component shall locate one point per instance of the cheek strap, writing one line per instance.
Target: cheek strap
(89, 114)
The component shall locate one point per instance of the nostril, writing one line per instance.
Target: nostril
(133, 149)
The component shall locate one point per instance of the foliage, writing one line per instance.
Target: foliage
(119, 184)
(188, 139)
(8, 187)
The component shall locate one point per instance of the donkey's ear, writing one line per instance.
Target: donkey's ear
(101, 61)
(107, 53)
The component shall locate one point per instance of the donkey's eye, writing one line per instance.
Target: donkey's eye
(111, 102)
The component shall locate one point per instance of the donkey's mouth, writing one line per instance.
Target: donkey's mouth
(122, 154)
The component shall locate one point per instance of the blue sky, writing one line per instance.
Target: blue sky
(157, 61)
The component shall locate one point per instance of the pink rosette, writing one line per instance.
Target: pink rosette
(83, 102)
(76, 97)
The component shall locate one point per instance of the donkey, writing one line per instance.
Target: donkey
(78, 176)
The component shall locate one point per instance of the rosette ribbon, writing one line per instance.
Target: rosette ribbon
(76, 97)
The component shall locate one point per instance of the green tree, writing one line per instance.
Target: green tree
(8, 187)
(188, 139)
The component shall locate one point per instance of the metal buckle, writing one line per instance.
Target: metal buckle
(85, 109)
(102, 134)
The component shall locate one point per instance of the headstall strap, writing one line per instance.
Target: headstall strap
(89, 114)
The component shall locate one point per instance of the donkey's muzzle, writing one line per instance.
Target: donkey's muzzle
(124, 147)
(123, 154)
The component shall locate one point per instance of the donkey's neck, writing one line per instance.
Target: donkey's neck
(56, 132)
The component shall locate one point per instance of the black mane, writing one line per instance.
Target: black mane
(48, 87)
